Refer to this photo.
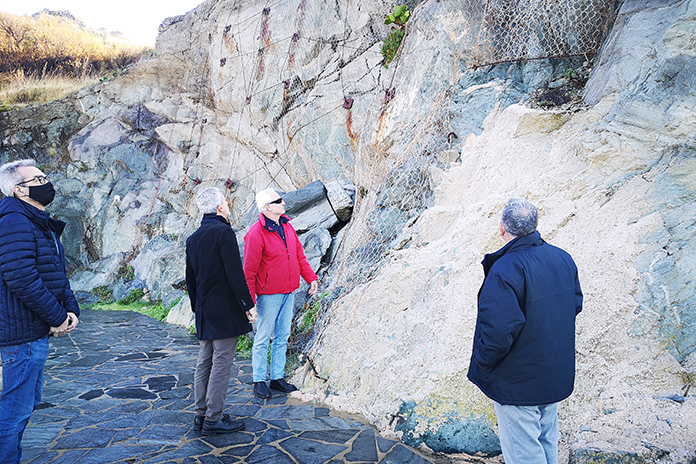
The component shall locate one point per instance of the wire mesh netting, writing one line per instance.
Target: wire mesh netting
(290, 112)
(518, 30)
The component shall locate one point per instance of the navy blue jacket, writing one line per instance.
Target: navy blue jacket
(35, 294)
(215, 281)
(524, 343)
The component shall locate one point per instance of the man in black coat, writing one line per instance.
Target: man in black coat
(223, 307)
(523, 356)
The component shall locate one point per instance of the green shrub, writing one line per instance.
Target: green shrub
(135, 295)
(244, 346)
(104, 293)
(399, 16)
(126, 272)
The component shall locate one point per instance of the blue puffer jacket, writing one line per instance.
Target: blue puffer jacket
(524, 343)
(34, 289)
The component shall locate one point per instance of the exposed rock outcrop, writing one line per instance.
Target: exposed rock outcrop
(243, 96)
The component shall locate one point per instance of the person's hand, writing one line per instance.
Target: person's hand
(72, 322)
(67, 326)
(313, 287)
(251, 314)
(61, 329)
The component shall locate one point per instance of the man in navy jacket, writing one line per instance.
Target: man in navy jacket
(35, 296)
(523, 355)
(223, 307)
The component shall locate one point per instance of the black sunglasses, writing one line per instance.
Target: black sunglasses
(276, 202)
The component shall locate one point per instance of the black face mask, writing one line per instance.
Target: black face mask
(44, 194)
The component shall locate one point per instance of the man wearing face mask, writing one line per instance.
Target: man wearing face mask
(35, 296)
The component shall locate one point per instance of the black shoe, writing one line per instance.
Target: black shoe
(224, 425)
(261, 390)
(198, 423)
(283, 386)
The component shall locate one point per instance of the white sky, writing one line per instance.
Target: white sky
(138, 20)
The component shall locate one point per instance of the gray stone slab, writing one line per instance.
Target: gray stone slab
(246, 410)
(385, 444)
(238, 451)
(229, 439)
(168, 434)
(319, 424)
(117, 453)
(85, 438)
(273, 435)
(287, 412)
(310, 451)
(364, 448)
(330, 436)
(269, 455)
(402, 455)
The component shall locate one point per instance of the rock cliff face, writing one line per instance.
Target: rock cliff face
(243, 96)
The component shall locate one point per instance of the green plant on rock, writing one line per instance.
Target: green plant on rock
(399, 16)
(244, 346)
(135, 295)
(104, 293)
(309, 318)
(126, 272)
(391, 44)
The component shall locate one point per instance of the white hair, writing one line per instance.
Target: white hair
(9, 177)
(208, 200)
(264, 197)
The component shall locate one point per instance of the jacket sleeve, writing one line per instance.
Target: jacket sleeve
(253, 251)
(500, 320)
(578, 295)
(18, 266)
(305, 269)
(233, 269)
(190, 281)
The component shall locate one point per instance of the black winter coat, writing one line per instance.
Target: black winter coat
(35, 294)
(215, 281)
(524, 343)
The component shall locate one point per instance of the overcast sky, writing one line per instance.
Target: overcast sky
(138, 20)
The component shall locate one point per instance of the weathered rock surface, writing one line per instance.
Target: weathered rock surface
(243, 96)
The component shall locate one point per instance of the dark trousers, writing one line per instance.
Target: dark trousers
(215, 358)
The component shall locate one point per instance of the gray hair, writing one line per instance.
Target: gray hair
(9, 177)
(264, 197)
(208, 200)
(520, 217)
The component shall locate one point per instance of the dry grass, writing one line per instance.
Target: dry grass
(17, 90)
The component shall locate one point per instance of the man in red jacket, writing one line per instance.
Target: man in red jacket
(273, 263)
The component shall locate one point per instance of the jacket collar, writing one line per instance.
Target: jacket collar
(213, 217)
(267, 223)
(519, 243)
(42, 219)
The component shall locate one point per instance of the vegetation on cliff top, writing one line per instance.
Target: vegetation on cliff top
(49, 55)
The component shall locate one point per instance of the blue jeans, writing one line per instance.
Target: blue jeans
(274, 319)
(528, 434)
(22, 385)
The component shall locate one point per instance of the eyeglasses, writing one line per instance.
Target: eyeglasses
(276, 202)
(41, 179)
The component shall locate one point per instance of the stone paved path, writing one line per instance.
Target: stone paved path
(119, 390)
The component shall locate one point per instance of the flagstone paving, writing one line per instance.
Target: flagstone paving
(119, 389)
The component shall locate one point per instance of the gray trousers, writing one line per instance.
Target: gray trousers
(215, 358)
